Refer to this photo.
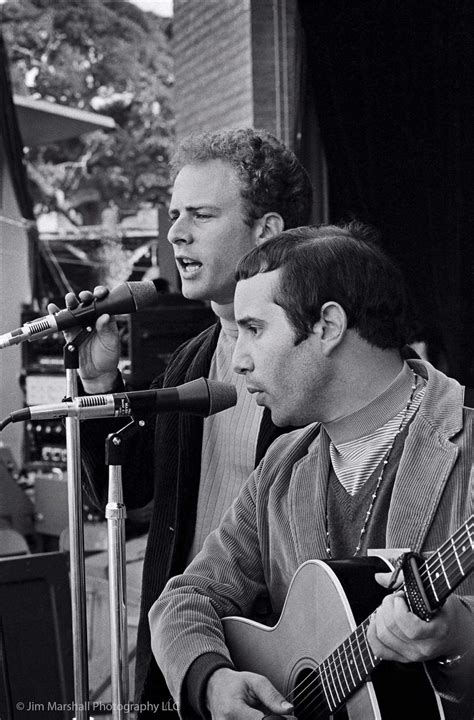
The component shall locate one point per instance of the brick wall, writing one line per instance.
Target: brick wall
(213, 67)
(235, 65)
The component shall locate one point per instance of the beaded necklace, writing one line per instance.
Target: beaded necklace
(379, 479)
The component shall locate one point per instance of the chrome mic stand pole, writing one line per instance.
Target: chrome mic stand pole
(115, 513)
(76, 537)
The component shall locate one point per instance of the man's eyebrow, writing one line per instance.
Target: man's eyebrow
(193, 208)
(247, 320)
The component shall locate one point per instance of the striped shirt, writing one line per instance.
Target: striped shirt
(229, 443)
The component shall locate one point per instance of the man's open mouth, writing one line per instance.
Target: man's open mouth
(187, 265)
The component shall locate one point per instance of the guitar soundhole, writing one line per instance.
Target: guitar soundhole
(308, 697)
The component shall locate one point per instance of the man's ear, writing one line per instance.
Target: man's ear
(268, 226)
(331, 327)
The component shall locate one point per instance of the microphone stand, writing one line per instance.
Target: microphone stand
(76, 536)
(115, 513)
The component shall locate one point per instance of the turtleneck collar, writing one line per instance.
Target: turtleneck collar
(379, 411)
(225, 313)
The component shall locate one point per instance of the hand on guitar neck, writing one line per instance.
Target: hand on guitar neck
(397, 634)
(237, 695)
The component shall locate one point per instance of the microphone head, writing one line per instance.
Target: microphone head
(144, 292)
(221, 396)
(204, 397)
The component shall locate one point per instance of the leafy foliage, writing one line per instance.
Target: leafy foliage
(106, 56)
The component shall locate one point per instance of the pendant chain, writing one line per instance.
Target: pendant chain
(379, 479)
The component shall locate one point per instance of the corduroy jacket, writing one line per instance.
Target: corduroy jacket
(278, 522)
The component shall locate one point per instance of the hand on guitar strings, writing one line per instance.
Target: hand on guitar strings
(234, 695)
(395, 633)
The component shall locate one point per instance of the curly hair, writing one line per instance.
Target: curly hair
(342, 263)
(272, 178)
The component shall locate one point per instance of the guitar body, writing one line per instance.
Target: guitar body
(325, 603)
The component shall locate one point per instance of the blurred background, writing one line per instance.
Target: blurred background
(374, 96)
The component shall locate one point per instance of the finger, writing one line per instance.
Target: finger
(52, 308)
(389, 620)
(405, 624)
(391, 580)
(384, 641)
(103, 322)
(71, 301)
(100, 292)
(378, 646)
(86, 297)
(393, 614)
(107, 331)
(391, 624)
(383, 579)
(269, 697)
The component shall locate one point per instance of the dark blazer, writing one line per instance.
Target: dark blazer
(164, 462)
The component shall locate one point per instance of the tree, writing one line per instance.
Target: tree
(106, 56)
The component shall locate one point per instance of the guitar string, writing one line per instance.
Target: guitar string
(437, 558)
(359, 632)
(349, 644)
(438, 562)
(332, 660)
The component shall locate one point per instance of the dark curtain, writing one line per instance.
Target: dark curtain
(307, 142)
(392, 85)
(43, 281)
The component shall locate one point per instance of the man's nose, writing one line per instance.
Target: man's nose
(241, 361)
(180, 232)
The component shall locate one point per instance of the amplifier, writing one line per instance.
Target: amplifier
(157, 332)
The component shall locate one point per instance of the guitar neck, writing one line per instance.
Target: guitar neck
(342, 672)
(347, 667)
(449, 565)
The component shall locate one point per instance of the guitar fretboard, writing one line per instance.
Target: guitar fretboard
(347, 667)
(449, 565)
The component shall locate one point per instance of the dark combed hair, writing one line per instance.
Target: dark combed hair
(271, 176)
(342, 263)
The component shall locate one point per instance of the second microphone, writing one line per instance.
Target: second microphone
(199, 397)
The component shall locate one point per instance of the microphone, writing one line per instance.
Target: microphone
(129, 297)
(199, 397)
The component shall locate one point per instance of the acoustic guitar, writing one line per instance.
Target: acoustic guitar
(318, 656)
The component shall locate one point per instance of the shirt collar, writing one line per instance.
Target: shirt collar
(379, 411)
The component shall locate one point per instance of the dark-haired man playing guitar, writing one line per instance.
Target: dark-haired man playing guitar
(385, 461)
